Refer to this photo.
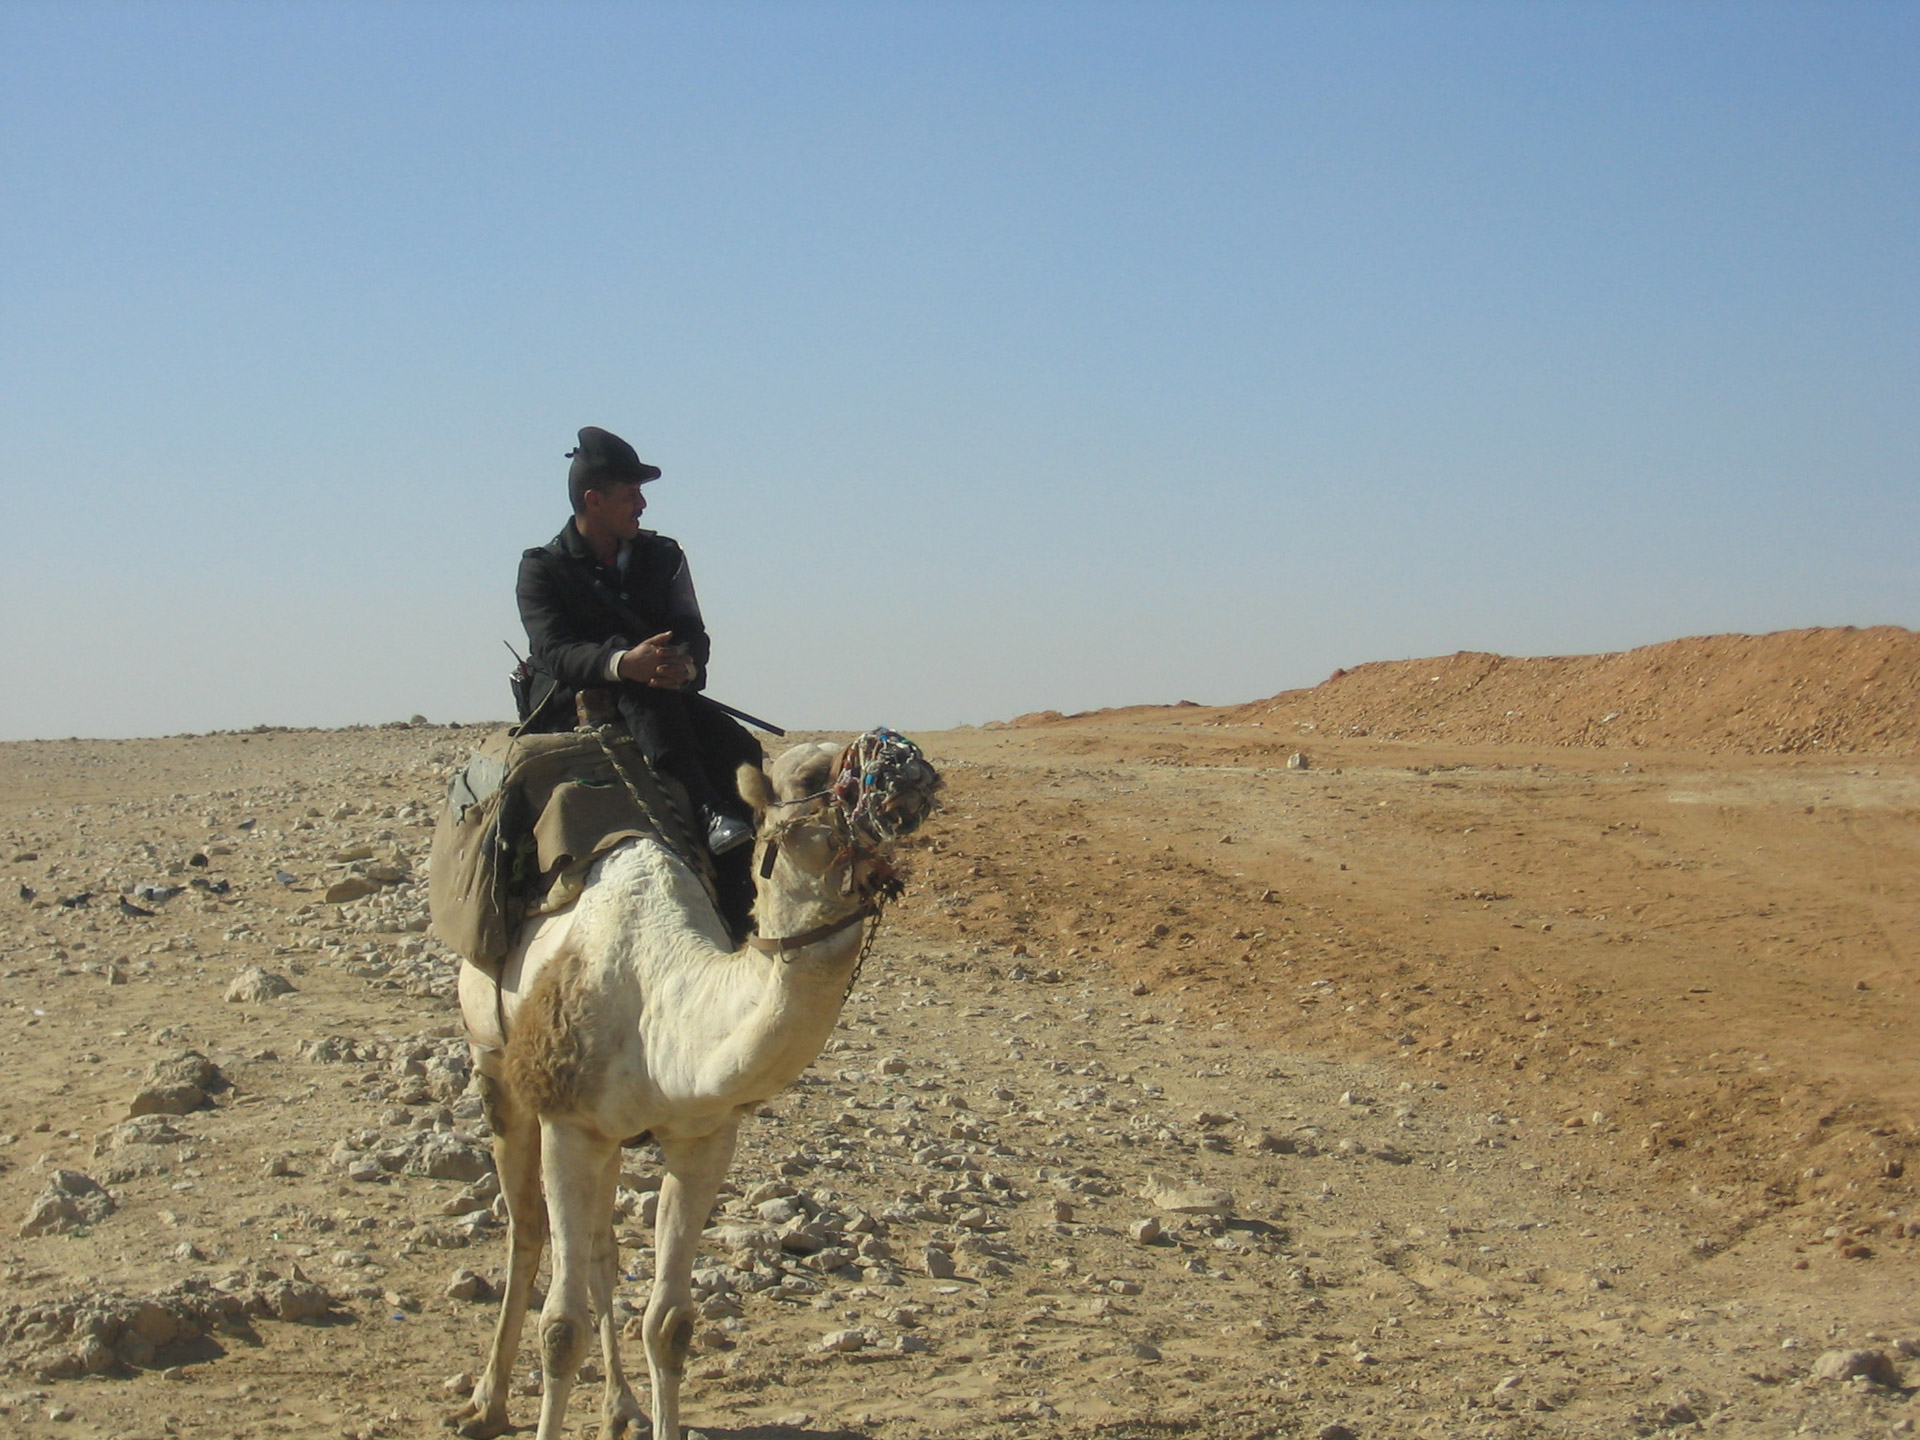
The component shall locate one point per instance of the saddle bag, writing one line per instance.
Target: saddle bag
(527, 816)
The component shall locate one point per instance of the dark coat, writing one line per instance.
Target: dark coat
(579, 614)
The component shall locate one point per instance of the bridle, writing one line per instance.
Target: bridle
(787, 948)
(857, 804)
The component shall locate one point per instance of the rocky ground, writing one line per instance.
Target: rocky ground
(1422, 1091)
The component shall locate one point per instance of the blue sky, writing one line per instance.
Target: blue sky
(999, 357)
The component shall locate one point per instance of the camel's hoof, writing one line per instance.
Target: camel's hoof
(631, 1425)
(474, 1423)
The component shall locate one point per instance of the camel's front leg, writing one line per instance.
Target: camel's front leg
(516, 1155)
(579, 1184)
(620, 1413)
(695, 1169)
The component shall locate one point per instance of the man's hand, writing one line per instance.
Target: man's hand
(658, 662)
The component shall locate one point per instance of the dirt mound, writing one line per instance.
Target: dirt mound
(1828, 691)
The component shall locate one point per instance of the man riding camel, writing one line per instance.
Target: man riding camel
(610, 606)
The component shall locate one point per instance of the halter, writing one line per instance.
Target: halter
(877, 793)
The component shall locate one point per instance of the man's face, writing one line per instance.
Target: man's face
(616, 511)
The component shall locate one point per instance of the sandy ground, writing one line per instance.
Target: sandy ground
(1557, 1093)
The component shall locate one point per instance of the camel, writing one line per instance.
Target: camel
(631, 1013)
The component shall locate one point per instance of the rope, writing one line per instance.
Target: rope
(669, 826)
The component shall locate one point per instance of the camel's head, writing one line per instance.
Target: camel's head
(825, 805)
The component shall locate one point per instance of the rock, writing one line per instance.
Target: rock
(939, 1264)
(828, 1260)
(1186, 1199)
(1062, 1211)
(1298, 761)
(255, 984)
(751, 1238)
(446, 1157)
(844, 1341)
(469, 1285)
(1845, 1364)
(295, 1299)
(1335, 1431)
(70, 1201)
(801, 1237)
(353, 887)
(149, 1129)
(1144, 1232)
(176, 1085)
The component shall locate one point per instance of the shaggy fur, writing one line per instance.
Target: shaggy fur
(550, 1060)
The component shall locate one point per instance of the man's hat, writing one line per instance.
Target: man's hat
(603, 458)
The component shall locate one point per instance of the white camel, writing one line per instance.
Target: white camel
(632, 1012)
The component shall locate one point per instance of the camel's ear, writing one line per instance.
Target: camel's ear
(755, 789)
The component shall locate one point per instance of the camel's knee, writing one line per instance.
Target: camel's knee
(669, 1337)
(563, 1344)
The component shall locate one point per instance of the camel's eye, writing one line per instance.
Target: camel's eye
(812, 779)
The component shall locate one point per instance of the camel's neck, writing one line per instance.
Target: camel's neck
(802, 989)
(733, 1026)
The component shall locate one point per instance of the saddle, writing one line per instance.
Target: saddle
(525, 819)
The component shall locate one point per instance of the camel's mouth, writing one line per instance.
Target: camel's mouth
(884, 786)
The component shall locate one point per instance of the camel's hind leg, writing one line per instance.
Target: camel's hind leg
(580, 1167)
(695, 1169)
(620, 1413)
(516, 1155)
